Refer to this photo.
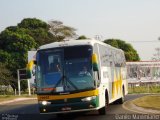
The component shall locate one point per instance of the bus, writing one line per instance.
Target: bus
(79, 75)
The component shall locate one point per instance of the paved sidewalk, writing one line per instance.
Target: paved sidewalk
(16, 100)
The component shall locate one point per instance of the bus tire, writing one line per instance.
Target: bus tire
(121, 100)
(103, 110)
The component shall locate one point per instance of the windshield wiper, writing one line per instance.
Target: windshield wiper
(64, 81)
(67, 79)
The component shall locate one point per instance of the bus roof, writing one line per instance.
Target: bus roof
(74, 43)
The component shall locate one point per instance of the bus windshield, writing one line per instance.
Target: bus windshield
(64, 69)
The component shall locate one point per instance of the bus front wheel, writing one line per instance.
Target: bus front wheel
(102, 111)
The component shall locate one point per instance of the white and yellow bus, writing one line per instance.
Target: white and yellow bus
(79, 75)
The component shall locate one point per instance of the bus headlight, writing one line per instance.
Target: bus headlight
(88, 98)
(45, 103)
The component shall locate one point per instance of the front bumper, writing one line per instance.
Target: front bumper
(72, 105)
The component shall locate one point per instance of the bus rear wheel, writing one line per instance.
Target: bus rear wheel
(121, 100)
(103, 110)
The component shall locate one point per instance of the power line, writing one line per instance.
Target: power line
(143, 41)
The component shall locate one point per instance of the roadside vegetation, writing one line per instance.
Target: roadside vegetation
(143, 89)
(16, 41)
(149, 101)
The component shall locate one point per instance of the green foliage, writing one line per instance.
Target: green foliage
(5, 57)
(151, 88)
(5, 75)
(130, 53)
(15, 45)
(16, 41)
(36, 29)
(24, 85)
(32, 23)
(82, 37)
(42, 36)
(112, 42)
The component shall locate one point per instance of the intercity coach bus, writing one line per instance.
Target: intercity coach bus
(79, 75)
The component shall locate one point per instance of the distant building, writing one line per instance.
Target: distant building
(143, 70)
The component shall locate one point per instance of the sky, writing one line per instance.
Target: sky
(134, 21)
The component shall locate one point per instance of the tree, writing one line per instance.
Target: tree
(5, 75)
(61, 31)
(33, 23)
(13, 52)
(130, 53)
(37, 29)
(82, 37)
(16, 41)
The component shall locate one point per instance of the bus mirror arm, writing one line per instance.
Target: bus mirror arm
(35, 62)
(33, 72)
(98, 83)
(98, 75)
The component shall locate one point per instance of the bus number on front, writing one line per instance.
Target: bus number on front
(44, 97)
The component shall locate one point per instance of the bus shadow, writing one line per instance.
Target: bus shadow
(80, 116)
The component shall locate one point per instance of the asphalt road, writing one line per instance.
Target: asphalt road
(28, 110)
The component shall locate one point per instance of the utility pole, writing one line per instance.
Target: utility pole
(29, 87)
(19, 86)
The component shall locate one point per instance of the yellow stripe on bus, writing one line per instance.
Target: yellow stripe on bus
(75, 95)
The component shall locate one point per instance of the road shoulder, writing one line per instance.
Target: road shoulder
(16, 100)
(129, 105)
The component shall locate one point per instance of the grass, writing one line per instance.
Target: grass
(150, 101)
(11, 97)
(144, 89)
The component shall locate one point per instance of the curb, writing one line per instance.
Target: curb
(129, 105)
(16, 100)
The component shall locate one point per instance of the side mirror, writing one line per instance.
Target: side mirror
(95, 62)
(29, 68)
